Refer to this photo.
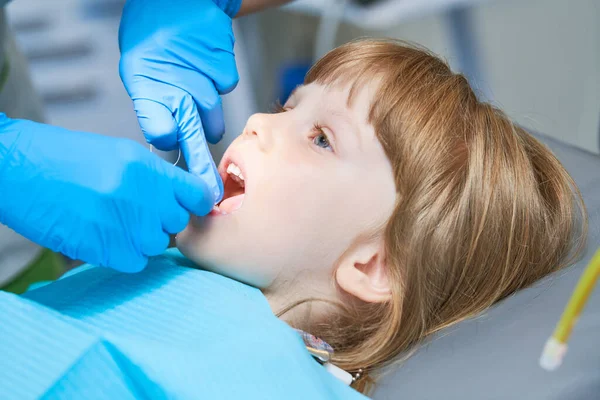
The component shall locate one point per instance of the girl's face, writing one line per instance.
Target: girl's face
(316, 180)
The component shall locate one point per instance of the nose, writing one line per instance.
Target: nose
(259, 127)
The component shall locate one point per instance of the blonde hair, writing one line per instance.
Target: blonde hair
(483, 209)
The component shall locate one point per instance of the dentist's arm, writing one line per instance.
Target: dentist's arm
(99, 199)
(252, 6)
(176, 60)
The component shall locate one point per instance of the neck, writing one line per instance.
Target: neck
(301, 306)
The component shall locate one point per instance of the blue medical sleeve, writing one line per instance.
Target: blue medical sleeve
(170, 331)
(229, 7)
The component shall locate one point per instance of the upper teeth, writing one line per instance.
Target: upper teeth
(235, 170)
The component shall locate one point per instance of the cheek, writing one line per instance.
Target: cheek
(305, 213)
(221, 245)
(191, 240)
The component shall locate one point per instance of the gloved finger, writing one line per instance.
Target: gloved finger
(227, 77)
(125, 259)
(207, 103)
(213, 121)
(202, 165)
(175, 219)
(154, 242)
(157, 123)
(194, 148)
(132, 265)
(218, 63)
(191, 192)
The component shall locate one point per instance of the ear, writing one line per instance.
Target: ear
(362, 273)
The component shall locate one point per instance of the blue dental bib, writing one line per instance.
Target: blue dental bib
(169, 332)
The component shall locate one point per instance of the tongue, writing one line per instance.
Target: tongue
(231, 204)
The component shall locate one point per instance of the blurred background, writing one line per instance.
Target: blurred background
(539, 60)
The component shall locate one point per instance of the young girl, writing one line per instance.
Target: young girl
(385, 202)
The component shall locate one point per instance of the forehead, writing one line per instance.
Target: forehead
(343, 100)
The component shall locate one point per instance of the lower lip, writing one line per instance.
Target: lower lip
(228, 206)
(216, 213)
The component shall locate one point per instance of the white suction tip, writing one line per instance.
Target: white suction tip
(339, 373)
(553, 354)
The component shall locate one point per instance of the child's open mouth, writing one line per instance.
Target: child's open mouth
(234, 191)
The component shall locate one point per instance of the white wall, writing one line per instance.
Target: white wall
(540, 58)
(543, 62)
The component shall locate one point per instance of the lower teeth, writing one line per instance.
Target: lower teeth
(218, 210)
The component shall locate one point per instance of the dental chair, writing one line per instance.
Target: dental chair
(496, 355)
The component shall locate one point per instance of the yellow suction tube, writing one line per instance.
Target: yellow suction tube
(556, 346)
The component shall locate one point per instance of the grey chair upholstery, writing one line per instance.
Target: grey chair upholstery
(495, 356)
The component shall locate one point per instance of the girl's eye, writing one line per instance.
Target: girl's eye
(321, 139)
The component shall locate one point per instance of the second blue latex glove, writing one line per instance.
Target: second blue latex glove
(176, 58)
(94, 198)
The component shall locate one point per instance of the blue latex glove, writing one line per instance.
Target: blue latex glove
(176, 58)
(94, 198)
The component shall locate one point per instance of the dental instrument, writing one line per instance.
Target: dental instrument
(322, 352)
(556, 346)
(178, 154)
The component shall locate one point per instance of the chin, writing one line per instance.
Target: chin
(203, 248)
(206, 252)
(188, 240)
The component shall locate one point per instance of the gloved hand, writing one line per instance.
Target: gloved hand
(99, 199)
(176, 58)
